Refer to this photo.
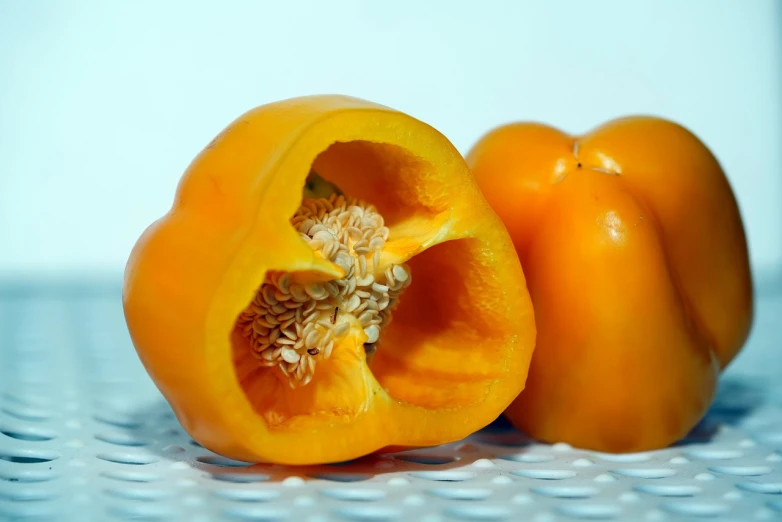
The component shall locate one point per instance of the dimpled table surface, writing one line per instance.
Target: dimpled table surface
(84, 435)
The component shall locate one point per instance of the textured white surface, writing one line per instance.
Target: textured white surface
(84, 435)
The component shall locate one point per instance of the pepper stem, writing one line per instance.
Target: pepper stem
(317, 187)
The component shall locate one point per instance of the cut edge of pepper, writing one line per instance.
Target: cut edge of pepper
(241, 410)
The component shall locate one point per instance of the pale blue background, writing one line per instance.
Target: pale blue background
(103, 104)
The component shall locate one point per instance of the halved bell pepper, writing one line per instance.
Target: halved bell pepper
(329, 282)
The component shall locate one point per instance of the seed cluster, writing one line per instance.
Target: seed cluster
(291, 325)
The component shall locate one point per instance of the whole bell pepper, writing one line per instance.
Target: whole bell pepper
(329, 282)
(634, 250)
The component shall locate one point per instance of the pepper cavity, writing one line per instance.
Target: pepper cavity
(291, 325)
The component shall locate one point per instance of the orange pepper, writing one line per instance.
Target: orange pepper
(269, 334)
(634, 250)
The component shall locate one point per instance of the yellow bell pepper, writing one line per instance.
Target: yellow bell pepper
(265, 318)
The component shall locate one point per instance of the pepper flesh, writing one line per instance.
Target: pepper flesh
(635, 254)
(456, 352)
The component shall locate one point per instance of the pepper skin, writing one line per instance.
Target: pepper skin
(636, 260)
(455, 354)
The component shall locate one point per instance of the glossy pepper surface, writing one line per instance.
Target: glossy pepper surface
(636, 259)
(264, 317)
